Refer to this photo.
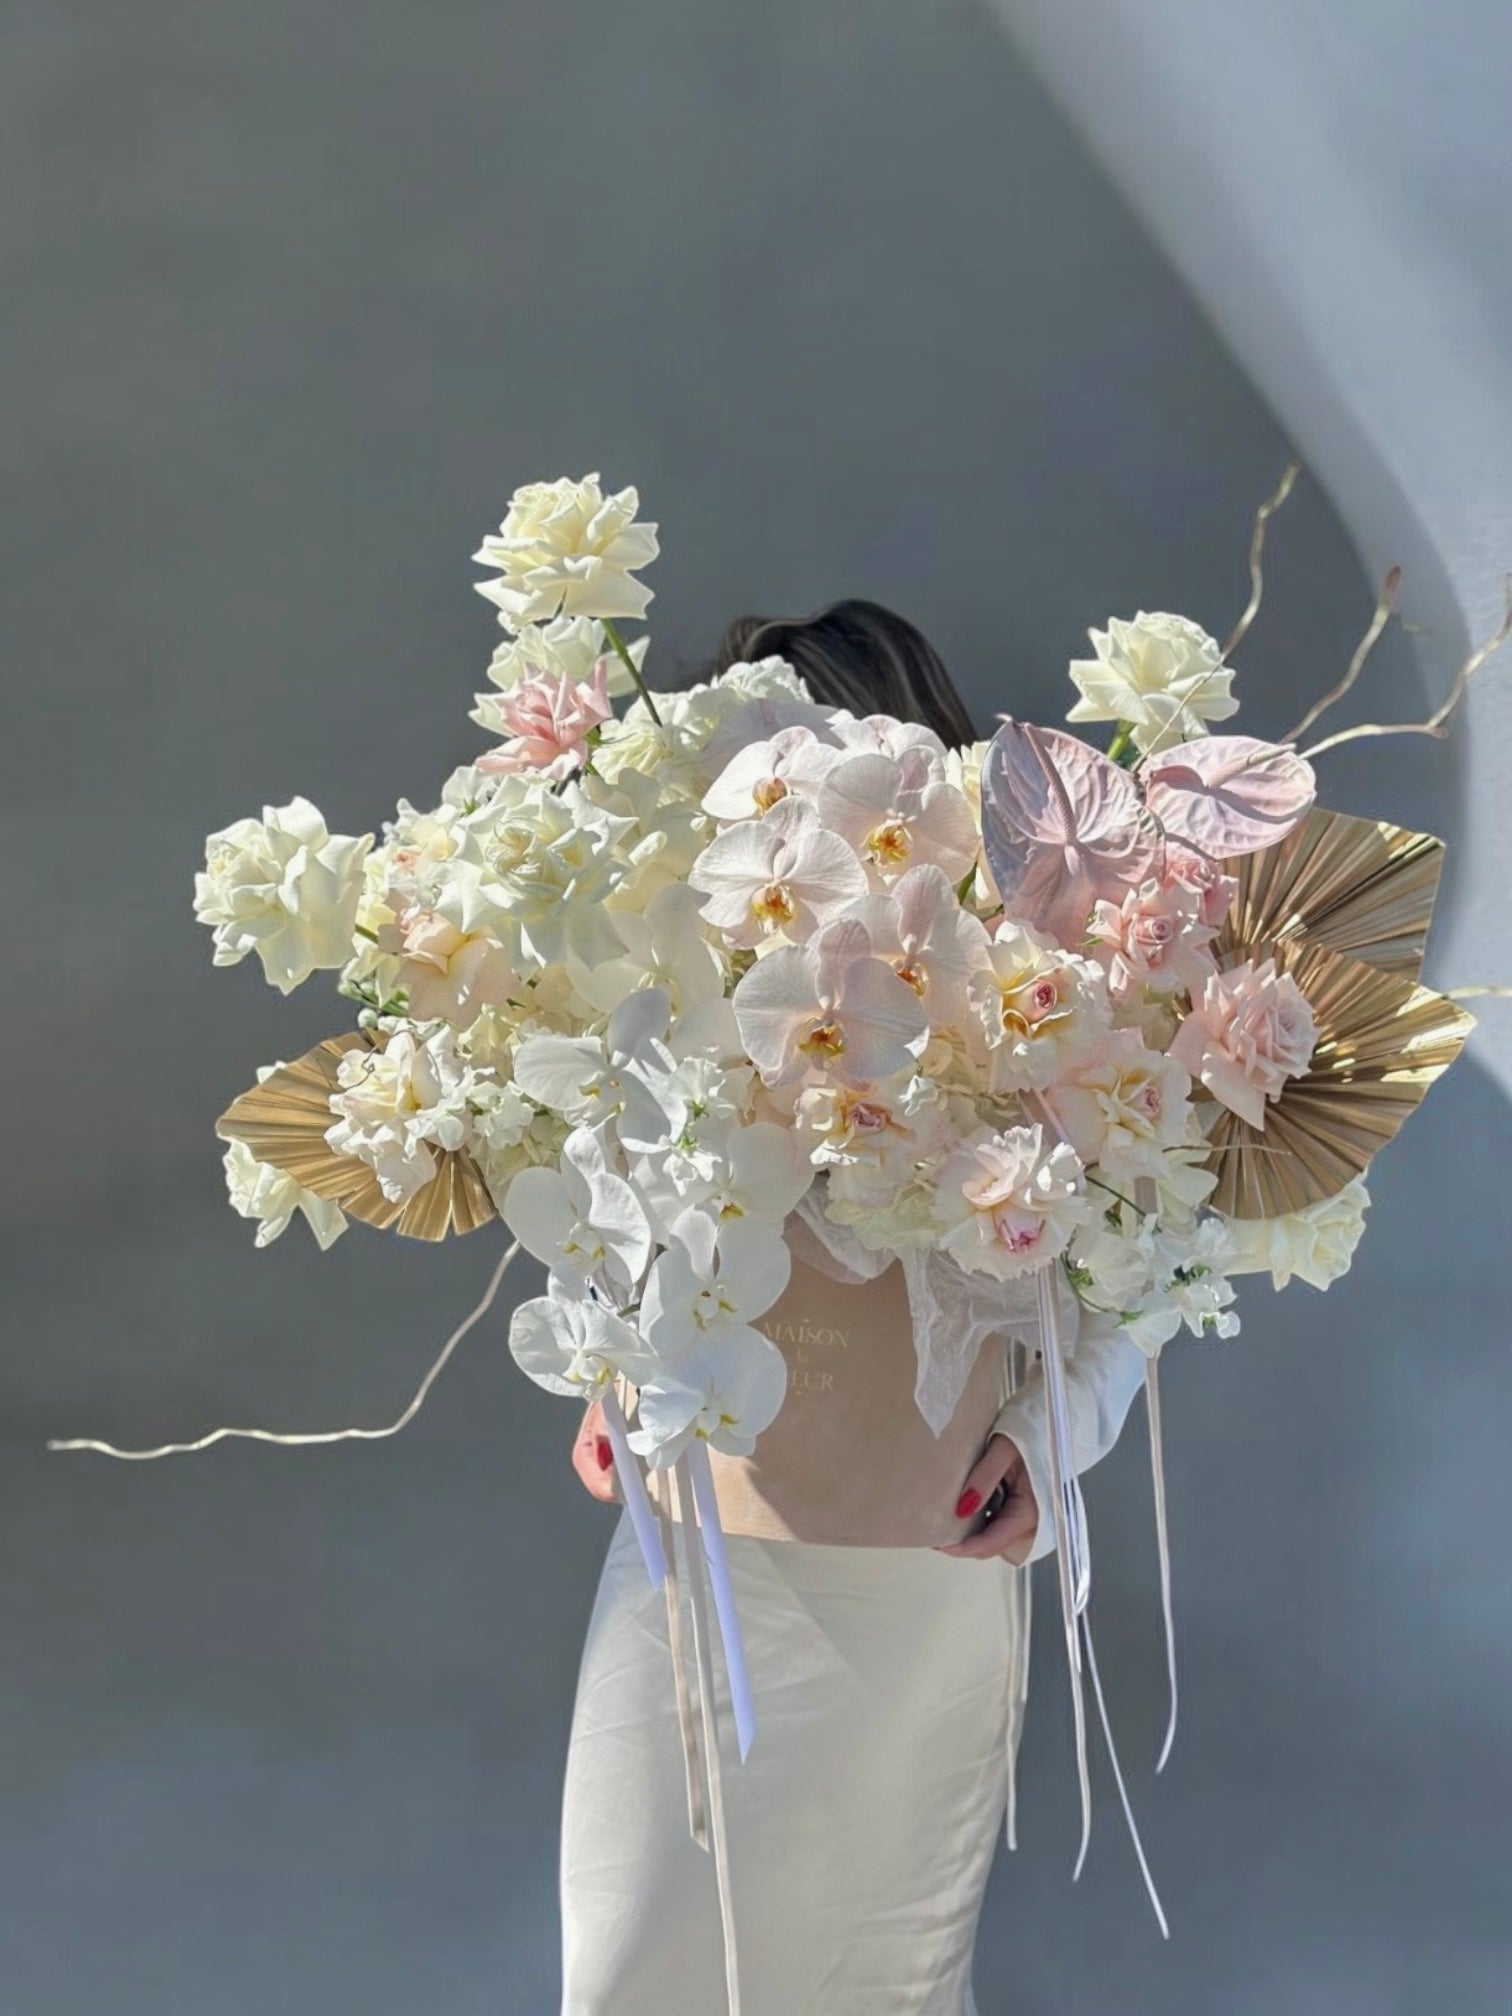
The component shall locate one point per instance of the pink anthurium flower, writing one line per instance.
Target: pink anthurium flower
(1227, 794)
(829, 1008)
(1062, 828)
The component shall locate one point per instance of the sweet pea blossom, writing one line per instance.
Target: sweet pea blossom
(271, 1195)
(549, 722)
(1007, 1203)
(1154, 938)
(565, 548)
(1249, 1031)
(781, 873)
(712, 1279)
(1036, 1006)
(1315, 1245)
(899, 811)
(723, 1390)
(583, 1220)
(285, 888)
(1161, 675)
(400, 1106)
(829, 1008)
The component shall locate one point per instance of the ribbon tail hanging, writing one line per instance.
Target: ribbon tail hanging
(1074, 1574)
(687, 1728)
(1163, 1544)
(716, 1560)
(632, 1484)
(697, 1559)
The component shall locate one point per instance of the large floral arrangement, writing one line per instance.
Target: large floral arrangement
(660, 985)
(644, 983)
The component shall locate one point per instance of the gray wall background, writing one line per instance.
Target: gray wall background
(295, 295)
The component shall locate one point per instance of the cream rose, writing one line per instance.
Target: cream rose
(284, 888)
(565, 549)
(1161, 675)
(1316, 1245)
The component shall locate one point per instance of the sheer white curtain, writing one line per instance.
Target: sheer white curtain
(1334, 181)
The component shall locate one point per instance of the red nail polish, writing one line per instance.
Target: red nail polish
(967, 1503)
(605, 1451)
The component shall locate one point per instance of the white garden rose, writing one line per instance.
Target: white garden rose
(1162, 675)
(1316, 1244)
(565, 549)
(569, 647)
(272, 1196)
(284, 888)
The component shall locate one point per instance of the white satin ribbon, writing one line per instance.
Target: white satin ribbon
(632, 1484)
(711, 1538)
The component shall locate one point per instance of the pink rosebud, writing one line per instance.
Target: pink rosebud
(1248, 1033)
(1154, 938)
(1214, 890)
(549, 721)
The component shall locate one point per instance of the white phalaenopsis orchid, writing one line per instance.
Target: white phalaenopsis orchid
(583, 1220)
(573, 1345)
(829, 1009)
(729, 1170)
(723, 1390)
(664, 946)
(284, 888)
(612, 1076)
(782, 873)
(712, 1279)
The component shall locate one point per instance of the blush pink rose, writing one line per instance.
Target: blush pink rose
(1249, 1031)
(1214, 891)
(1154, 938)
(549, 721)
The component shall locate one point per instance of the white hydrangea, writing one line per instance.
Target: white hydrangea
(285, 888)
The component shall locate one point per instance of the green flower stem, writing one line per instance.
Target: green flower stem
(631, 667)
(1120, 741)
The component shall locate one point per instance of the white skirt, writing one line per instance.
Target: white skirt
(862, 1826)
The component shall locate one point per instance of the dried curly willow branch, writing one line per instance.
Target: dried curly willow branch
(1436, 722)
(1495, 987)
(1263, 517)
(1384, 606)
(328, 1435)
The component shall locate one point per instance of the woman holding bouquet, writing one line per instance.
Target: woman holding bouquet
(863, 1824)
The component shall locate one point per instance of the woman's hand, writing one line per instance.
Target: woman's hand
(1011, 1526)
(593, 1455)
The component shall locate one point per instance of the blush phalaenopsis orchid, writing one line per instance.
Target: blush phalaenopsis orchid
(898, 812)
(829, 1009)
(783, 874)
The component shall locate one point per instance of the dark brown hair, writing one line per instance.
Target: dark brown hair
(857, 655)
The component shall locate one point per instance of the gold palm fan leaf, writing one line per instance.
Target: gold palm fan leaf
(1382, 1041)
(1357, 886)
(283, 1121)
